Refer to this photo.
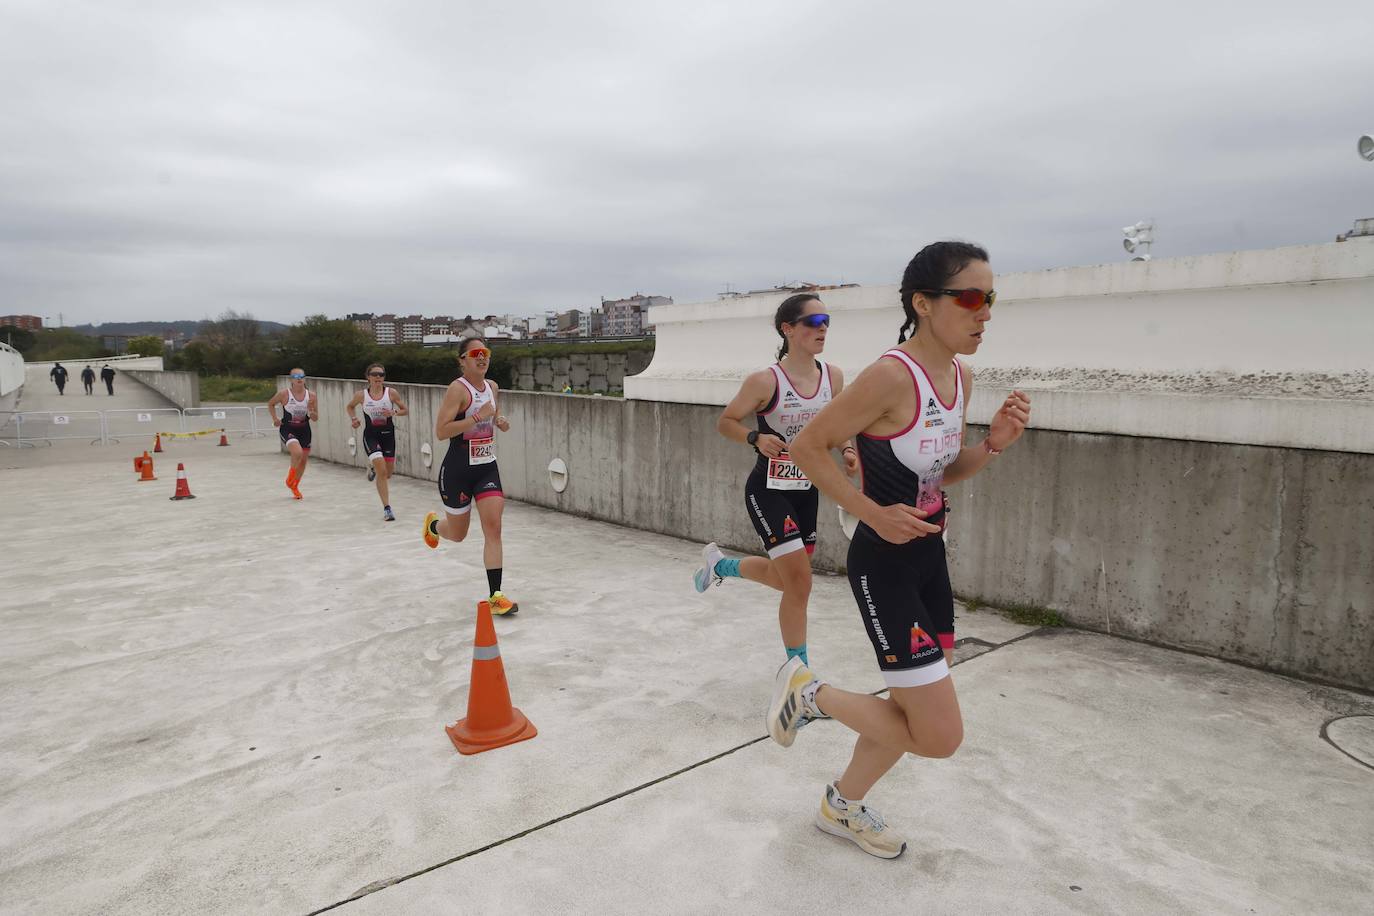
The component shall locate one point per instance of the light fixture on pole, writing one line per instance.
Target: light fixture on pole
(1138, 239)
(1366, 147)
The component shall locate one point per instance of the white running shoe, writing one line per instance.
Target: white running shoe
(705, 576)
(861, 825)
(787, 709)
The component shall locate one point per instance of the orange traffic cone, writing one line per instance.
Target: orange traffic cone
(144, 463)
(491, 721)
(223, 439)
(157, 443)
(183, 488)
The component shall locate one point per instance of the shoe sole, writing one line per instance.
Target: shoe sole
(513, 609)
(424, 532)
(837, 830)
(781, 693)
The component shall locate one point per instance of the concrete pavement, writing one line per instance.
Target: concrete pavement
(236, 704)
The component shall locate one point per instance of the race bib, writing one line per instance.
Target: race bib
(481, 451)
(784, 475)
(379, 421)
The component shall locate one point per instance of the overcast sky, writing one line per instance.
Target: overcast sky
(165, 160)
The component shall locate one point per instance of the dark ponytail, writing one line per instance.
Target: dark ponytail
(788, 312)
(932, 268)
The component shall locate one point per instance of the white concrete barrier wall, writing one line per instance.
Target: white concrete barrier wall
(1305, 309)
(181, 388)
(11, 370)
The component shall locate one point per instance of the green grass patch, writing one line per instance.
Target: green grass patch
(236, 388)
(1030, 616)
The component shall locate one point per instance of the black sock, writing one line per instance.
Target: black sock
(494, 579)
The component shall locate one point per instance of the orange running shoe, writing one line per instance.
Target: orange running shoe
(431, 530)
(501, 605)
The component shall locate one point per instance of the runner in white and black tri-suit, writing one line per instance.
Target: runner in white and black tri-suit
(381, 405)
(467, 419)
(299, 406)
(907, 410)
(780, 499)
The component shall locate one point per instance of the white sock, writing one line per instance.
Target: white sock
(839, 802)
(809, 698)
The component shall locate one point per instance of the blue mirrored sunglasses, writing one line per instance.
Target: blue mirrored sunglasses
(818, 320)
(295, 375)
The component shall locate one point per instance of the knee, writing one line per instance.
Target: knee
(491, 529)
(938, 743)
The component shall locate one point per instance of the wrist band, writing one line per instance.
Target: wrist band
(987, 447)
(849, 448)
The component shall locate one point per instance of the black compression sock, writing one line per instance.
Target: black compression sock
(494, 579)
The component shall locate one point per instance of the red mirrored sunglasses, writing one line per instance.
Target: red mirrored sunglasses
(966, 298)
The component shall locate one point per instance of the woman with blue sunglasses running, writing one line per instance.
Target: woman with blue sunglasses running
(782, 502)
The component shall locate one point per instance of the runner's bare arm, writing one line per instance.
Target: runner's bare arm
(752, 397)
(870, 399)
(272, 402)
(455, 402)
(314, 407)
(351, 405)
(847, 449)
(401, 408)
(1007, 425)
(501, 422)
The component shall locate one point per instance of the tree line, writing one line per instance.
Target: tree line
(235, 345)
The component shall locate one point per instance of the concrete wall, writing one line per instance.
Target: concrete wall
(11, 370)
(597, 372)
(1259, 554)
(1300, 309)
(181, 388)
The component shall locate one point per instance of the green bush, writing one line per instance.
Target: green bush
(237, 388)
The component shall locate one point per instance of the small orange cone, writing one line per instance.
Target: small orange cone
(183, 488)
(144, 463)
(223, 439)
(157, 443)
(491, 721)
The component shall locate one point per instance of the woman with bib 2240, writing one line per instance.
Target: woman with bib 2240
(381, 405)
(468, 418)
(781, 501)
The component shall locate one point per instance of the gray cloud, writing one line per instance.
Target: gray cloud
(162, 161)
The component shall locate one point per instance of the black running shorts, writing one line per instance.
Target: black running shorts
(906, 603)
(784, 519)
(300, 433)
(460, 484)
(379, 442)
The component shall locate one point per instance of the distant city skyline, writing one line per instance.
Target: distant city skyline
(165, 161)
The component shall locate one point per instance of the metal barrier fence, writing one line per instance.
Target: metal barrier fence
(34, 426)
(229, 419)
(25, 429)
(132, 423)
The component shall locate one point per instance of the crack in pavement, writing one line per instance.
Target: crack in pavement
(376, 886)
